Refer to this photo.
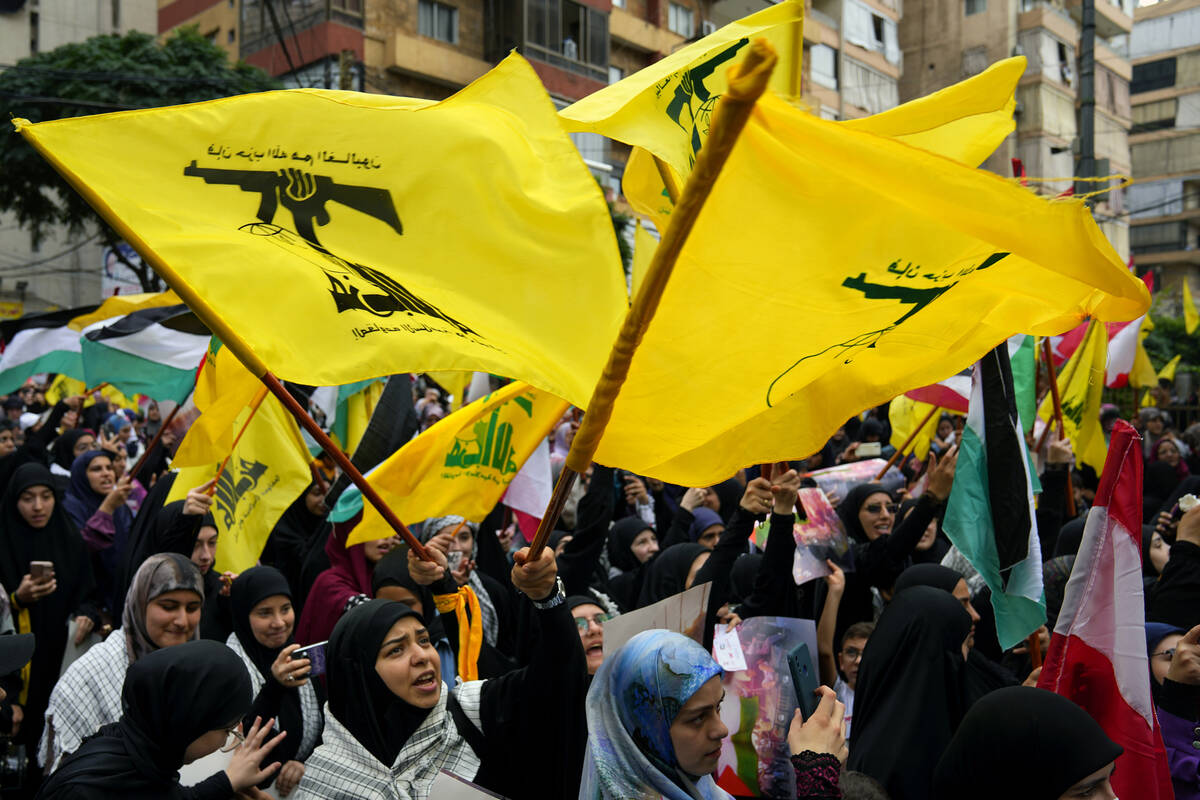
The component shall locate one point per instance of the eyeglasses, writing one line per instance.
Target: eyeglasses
(1168, 653)
(875, 508)
(583, 622)
(852, 653)
(233, 740)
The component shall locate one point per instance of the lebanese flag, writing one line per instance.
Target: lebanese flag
(952, 394)
(529, 492)
(1097, 654)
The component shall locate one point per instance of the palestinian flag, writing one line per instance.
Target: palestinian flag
(154, 352)
(40, 343)
(990, 515)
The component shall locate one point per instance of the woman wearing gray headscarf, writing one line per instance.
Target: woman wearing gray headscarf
(162, 608)
(489, 591)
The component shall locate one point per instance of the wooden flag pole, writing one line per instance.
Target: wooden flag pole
(896, 456)
(664, 172)
(1058, 418)
(259, 396)
(730, 116)
(95, 388)
(166, 423)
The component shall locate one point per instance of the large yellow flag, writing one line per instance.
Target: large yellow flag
(1191, 318)
(1166, 373)
(346, 236)
(898, 266)
(463, 463)
(266, 472)
(1142, 373)
(64, 386)
(224, 388)
(1080, 386)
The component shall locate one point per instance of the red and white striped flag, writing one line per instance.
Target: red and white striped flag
(1098, 652)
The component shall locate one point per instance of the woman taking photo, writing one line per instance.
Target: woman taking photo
(263, 622)
(35, 528)
(162, 609)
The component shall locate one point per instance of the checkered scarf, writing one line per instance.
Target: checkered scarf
(342, 769)
(310, 709)
(87, 697)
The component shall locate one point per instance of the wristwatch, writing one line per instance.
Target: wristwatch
(557, 598)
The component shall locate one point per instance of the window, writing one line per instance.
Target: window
(211, 36)
(574, 31)
(1153, 75)
(437, 21)
(974, 6)
(618, 3)
(231, 36)
(823, 63)
(680, 20)
(615, 74)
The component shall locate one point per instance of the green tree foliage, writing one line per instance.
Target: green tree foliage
(102, 74)
(1169, 339)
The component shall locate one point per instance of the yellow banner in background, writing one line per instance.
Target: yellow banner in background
(347, 236)
(904, 414)
(266, 472)
(1080, 389)
(224, 388)
(122, 304)
(462, 464)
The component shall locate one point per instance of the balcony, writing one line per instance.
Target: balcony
(433, 61)
(1111, 19)
(306, 20)
(640, 34)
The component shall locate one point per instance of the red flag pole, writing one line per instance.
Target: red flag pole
(896, 456)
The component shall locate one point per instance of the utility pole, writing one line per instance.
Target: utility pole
(1086, 166)
(346, 70)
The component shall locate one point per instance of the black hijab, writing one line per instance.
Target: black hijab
(62, 449)
(667, 574)
(58, 541)
(1021, 742)
(730, 494)
(743, 576)
(1070, 536)
(909, 697)
(941, 544)
(172, 697)
(358, 697)
(1158, 482)
(934, 575)
(275, 700)
(620, 542)
(392, 570)
(853, 502)
(291, 538)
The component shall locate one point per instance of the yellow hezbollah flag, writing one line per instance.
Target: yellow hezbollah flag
(1080, 386)
(224, 388)
(266, 472)
(64, 386)
(122, 304)
(901, 266)
(1166, 373)
(464, 462)
(965, 122)
(904, 414)
(1190, 317)
(346, 236)
(666, 107)
(1142, 373)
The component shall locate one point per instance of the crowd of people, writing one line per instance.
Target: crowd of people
(363, 671)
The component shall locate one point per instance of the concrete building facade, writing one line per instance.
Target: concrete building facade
(62, 270)
(945, 41)
(1164, 204)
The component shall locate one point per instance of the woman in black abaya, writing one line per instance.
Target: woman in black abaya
(909, 697)
(34, 527)
(180, 704)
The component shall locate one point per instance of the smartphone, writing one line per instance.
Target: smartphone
(804, 678)
(315, 653)
(869, 449)
(454, 560)
(41, 570)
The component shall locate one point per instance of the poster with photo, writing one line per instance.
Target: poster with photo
(819, 537)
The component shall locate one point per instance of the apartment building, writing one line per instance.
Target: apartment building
(1164, 204)
(945, 41)
(63, 270)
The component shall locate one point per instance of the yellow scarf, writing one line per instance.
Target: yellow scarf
(470, 628)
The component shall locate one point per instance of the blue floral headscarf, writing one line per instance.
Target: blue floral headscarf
(635, 696)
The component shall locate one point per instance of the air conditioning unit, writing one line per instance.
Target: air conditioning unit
(707, 27)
